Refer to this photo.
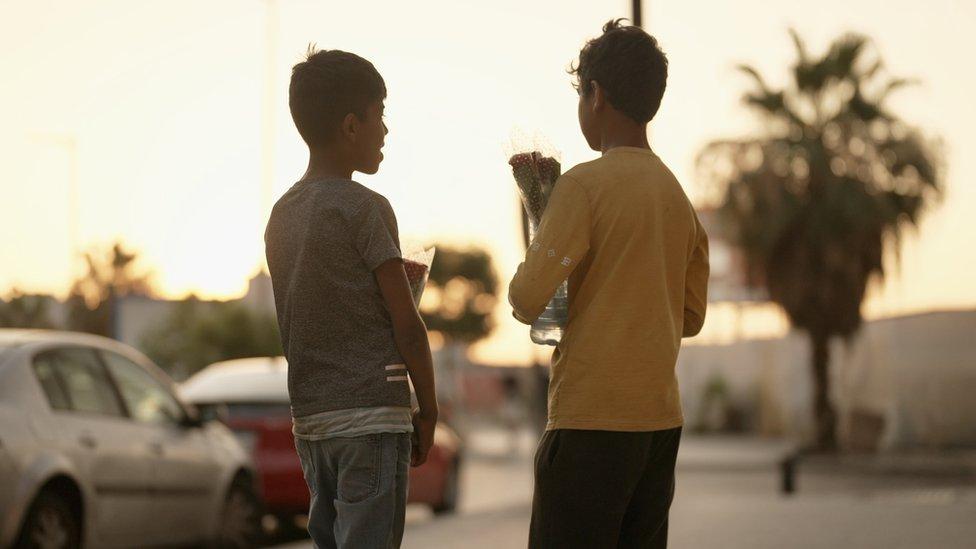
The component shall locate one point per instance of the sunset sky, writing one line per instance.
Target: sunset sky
(164, 102)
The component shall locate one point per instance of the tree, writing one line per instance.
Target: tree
(458, 304)
(461, 294)
(199, 333)
(26, 311)
(816, 199)
(110, 275)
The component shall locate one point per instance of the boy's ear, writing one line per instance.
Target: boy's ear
(599, 97)
(350, 126)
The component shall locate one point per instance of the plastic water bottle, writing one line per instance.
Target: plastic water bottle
(548, 328)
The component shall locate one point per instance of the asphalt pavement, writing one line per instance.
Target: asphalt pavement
(728, 496)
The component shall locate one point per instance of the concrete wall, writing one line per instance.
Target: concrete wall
(137, 315)
(911, 378)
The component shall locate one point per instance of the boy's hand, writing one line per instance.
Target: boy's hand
(423, 437)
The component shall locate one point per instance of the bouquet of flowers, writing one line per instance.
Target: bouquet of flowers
(535, 173)
(416, 263)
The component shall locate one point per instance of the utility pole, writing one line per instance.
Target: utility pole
(638, 18)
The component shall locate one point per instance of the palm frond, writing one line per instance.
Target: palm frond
(861, 108)
(801, 48)
(872, 71)
(844, 54)
(751, 71)
(895, 84)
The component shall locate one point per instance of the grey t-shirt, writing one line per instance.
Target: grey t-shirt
(323, 241)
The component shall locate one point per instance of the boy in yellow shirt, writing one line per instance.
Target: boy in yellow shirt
(622, 230)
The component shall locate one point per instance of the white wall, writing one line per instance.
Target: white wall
(916, 372)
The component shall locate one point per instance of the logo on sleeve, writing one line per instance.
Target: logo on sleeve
(551, 253)
(566, 261)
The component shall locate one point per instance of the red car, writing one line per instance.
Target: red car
(250, 395)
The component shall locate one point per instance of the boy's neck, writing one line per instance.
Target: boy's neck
(326, 164)
(621, 131)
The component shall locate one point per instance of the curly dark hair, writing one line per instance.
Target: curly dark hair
(326, 87)
(630, 67)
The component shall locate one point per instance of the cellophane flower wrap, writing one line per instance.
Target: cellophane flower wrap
(416, 262)
(535, 176)
(536, 168)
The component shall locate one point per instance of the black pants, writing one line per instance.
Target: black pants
(603, 489)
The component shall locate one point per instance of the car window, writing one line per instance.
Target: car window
(148, 401)
(47, 376)
(84, 384)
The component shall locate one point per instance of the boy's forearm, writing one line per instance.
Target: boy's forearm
(518, 311)
(415, 350)
(554, 253)
(527, 302)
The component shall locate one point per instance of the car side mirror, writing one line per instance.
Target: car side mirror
(191, 419)
(191, 422)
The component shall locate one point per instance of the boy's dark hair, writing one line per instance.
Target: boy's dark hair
(326, 87)
(629, 66)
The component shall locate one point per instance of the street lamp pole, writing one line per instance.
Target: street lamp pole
(638, 19)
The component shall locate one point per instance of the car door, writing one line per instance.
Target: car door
(185, 469)
(108, 452)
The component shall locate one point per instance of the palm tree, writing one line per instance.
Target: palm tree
(822, 193)
(112, 274)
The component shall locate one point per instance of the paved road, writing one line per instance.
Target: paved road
(735, 505)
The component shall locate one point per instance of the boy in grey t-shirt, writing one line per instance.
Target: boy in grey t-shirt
(349, 327)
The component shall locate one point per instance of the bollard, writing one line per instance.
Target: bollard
(788, 475)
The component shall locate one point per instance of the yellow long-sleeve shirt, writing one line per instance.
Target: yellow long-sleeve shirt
(622, 230)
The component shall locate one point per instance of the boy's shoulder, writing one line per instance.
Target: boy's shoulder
(359, 197)
(585, 170)
(622, 164)
(591, 173)
(344, 195)
(370, 196)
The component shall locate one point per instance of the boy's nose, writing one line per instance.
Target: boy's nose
(385, 129)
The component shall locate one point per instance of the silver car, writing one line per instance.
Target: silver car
(97, 451)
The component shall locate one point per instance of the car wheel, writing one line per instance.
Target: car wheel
(452, 489)
(51, 524)
(240, 526)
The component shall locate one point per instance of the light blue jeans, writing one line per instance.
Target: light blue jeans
(359, 490)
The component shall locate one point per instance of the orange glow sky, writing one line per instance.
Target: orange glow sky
(164, 100)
